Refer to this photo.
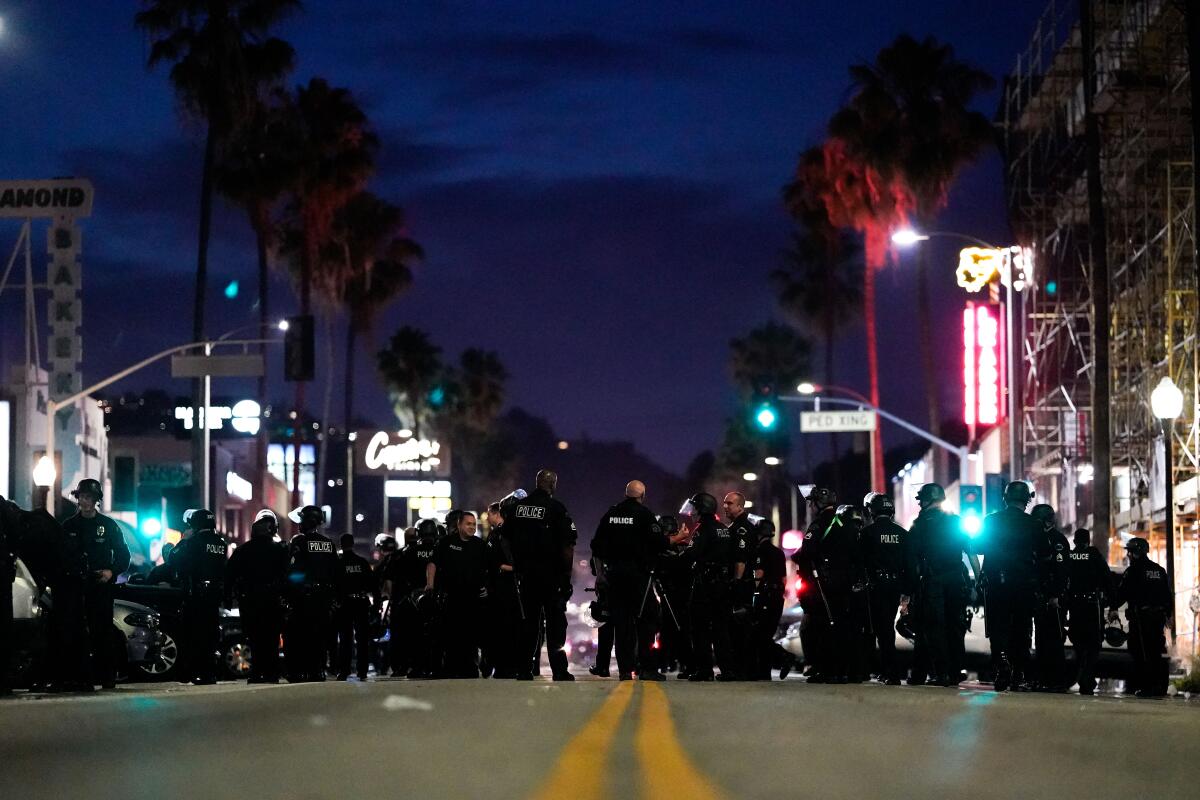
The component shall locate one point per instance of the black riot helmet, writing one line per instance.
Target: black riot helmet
(904, 626)
(386, 543)
(930, 494)
(701, 504)
(669, 523)
(509, 501)
(822, 497)
(199, 519)
(1044, 514)
(308, 518)
(265, 523)
(763, 527)
(879, 504)
(427, 529)
(1137, 546)
(89, 486)
(1018, 493)
(849, 514)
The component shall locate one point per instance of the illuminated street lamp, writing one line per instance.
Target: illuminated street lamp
(907, 237)
(771, 461)
(1167, 403)
(750, 476)
(44, 473)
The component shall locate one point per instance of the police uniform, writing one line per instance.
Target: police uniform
(1053, 574)
(255, 575)
(104, 549)
(543, 537)
(838, 575)
(715, 554)
(312, 575)
(769, 571)
(355, 587)
(1144, 587)
(1011, 542)
(461, 574)
(628, 542)
(883, 554)
(677, 588)
(1089, 582)
(201, 561)
(938, 545)
(504, 606)
(815, 627)
(413, 648)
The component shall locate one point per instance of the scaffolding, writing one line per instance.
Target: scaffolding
(1143, 109)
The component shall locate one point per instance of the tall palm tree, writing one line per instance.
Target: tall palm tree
(476, 392)
(917, 96)
(410, 366)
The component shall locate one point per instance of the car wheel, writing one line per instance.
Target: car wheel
(166, 662)
(236, 659)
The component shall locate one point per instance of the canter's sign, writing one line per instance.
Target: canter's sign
(61, 197)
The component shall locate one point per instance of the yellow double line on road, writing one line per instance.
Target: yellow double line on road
(667, 772)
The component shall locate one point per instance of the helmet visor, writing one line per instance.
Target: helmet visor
(688, 509)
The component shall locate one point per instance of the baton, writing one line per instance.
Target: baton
(824, 599)
(520, 603)
(667, 602)
(870, 611)
(645, 594)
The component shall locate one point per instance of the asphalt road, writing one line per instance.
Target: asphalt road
(592, 739)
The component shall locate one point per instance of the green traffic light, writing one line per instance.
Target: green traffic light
(766, 418)
(151, 526)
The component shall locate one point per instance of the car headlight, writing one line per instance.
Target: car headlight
(140, 619)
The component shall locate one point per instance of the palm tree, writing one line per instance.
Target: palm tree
(222, 57)
(476, 390)
(411, 366)
(769, 357)
(915, 97)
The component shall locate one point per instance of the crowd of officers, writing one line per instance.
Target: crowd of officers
(688, 593)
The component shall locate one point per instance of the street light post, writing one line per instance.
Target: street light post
(1167, 403)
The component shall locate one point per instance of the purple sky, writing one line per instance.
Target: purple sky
(596, 186)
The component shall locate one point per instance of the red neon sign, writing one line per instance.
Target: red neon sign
(981, 365)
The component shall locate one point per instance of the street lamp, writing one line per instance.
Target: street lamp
(44, 474)
(1167, 403)
(907, 237)
(750, 476)
(771, 461)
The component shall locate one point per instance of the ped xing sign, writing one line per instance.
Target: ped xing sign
(837, 421)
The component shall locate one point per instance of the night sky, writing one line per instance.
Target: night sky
(596, 185)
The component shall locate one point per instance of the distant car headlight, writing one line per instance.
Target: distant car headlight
(140, 619)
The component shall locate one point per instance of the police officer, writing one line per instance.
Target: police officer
(719, 560)
(814, 629)
(504, 604)
(1011, 542)
(676, 582)
(939, 543)
(839, 581)
(201, 562)
(107, 557)
(1090, 584)
(543, 539)
(355, 593)
(1053, 574)
(883, 554)
(412, 645)
(460, 570)
(746, 527)
(255, 576)
(626, 547)
(1144, 587)
(313, 571)
(388, 550)
(769, 573)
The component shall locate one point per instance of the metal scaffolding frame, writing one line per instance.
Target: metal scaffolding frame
(1143, 109)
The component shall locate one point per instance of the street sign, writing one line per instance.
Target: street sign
(61, 197)
(238, 366)
(837, 421)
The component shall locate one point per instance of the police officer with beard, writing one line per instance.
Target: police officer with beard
(412, 648)
(719, 561)
(1012, 543)
(313, 571)
(355, 591)
(883, 553)
(626, 547)
(460, 570)
(543, 539)
(255, 575)
(107, 557)
(939, 543)
(814, 630)
(201, 562)
(1090, 583)
(1144, 586)
(1053, 574)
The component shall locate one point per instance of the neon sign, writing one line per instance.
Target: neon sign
(979, 266)
(981, 365)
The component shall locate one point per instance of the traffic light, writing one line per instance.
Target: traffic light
(766, 417)
(970, 502)
(437, 397)
(298, 358)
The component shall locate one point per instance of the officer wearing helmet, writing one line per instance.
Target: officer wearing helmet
(412, 642)
(938, 546)
(1145, 589)
(676, 578)
(355, 597)
(839, 585)
(543, 540)
(201, 562)
(1089, 587)
(313, 571)
(1011, 543)
(504, 602)
(255, 576)
(106, 556)
(1049, 628)
(386, 549)
(884, 557)
(769, 573)
(815, 628)
(718, 560)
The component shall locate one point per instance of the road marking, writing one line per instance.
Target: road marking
(668, 773)
(579, 771)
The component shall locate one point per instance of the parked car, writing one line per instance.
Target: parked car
(137, 636)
